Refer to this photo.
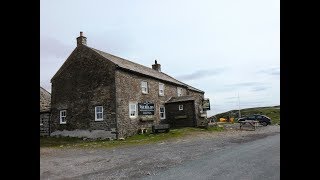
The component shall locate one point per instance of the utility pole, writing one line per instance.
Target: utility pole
(239, 105)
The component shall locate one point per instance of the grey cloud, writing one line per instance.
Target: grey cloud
(251, 103)
(259, 88)
(244, 84)
(234, 97)
(274, 71)
(200, 74)
(233, 87)
(112, 42)
(50, 47)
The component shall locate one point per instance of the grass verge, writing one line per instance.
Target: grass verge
(147, 138)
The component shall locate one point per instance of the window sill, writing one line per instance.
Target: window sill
(98, 120)
(161, 94)
(133, 117)
(145, 93)
(63, 122)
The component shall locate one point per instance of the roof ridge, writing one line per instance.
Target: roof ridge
(128, 65)
(121, 58)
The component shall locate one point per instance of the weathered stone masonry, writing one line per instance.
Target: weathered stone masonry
(44, 123)
(45, 100)
(86, 81)
(91, 78)
(128, 87)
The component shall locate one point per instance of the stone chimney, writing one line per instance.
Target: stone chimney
(156, 66)
(81, 40)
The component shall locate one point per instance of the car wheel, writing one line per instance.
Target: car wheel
(264, 123)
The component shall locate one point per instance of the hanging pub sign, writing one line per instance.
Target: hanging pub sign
(206, 104)
(146, 108)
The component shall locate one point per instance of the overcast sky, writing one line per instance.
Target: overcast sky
(223, 47)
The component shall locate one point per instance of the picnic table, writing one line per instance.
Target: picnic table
(253, 123)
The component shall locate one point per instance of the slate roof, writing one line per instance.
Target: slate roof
(45, 100)
(129, 65)
(180, 99)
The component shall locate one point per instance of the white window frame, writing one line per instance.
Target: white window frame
(161, 88)
(130, 110)
(96, 113)
(164, 112)
(144, 87)
(179, 91)
(63, 116)
(180, 107)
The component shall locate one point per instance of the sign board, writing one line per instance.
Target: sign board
(206, 104)
(146, 108)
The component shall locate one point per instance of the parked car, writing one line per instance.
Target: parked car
(263, 119)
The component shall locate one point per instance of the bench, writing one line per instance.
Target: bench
(253, 123)
(160, 127)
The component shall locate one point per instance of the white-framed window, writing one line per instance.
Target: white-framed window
(161, 89)
(98, 111)
(179, 91)
(162, 112)
(144, 87)
(133, 110)
(63, 115)
(180, 107)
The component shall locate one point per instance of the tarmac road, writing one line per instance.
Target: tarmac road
(231, 154)
(259, 159)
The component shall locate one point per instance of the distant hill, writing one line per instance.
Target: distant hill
(273, 112)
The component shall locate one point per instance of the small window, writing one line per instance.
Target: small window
(180, 107)
(63, 115)
(161, 89)
(144, 87)
(162, 112)
(133, 110)
(179, 91)
(99, 113)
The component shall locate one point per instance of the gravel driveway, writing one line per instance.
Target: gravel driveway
(141, 161)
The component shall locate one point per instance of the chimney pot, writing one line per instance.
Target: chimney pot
(156, 66)
(81, 40)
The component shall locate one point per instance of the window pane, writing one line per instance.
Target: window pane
(62, 113)
(132, 107)
(99, 116)
(99, 109)
(133, 113)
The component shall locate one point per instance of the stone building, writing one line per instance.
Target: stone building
(45, 100)
(103, 93)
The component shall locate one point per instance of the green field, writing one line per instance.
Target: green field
(272, 112)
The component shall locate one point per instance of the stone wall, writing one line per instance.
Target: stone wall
(129, 90)
(90, 134)
(44, 124)
(85, 80)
